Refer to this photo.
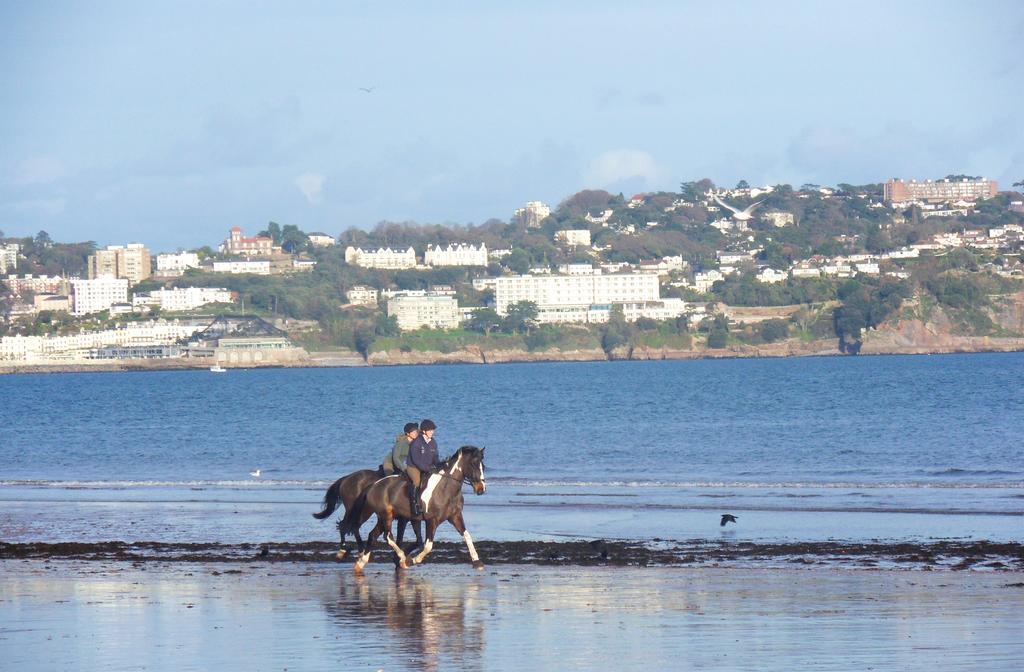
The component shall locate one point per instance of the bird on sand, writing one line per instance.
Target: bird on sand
(728, 518)
(255, 474)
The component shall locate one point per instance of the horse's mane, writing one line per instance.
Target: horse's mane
(454, 457)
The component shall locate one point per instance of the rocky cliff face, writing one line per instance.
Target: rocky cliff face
(936, 333)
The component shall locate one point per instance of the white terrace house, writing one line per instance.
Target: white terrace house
(182, 298)
(704, 280)
(455, 255)
(77, 346)
(383, 257)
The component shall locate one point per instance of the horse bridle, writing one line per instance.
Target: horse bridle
(465, 479)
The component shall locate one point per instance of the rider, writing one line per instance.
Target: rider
(422, 458)
(395, 461)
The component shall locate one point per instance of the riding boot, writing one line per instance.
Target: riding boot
(414, 502)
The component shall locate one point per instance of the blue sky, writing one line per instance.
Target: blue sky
(168, 123)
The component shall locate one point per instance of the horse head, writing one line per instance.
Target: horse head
(471, 460)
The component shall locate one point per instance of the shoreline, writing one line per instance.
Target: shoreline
(783, 350)
(946, 555)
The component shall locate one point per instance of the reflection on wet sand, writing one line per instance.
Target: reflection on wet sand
(434, 625)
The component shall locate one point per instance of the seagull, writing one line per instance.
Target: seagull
(367, 90)
(728, 518)
(739, 215)
(255, 474)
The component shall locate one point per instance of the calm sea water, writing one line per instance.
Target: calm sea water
(862, 447)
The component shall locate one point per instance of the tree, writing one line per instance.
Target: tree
(694, 191)
(484, 320)
(387, 325)
(42, 240)
(616, 333)
(774, 330)
(292, 239)
(520, 317)
(518, 261)
(743, 184)
(1019, 184)
(272, 231)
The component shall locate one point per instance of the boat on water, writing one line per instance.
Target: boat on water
(217, 368)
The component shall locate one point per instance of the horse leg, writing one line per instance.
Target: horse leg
(342, 553)
(429, 543)
(400, 560)
(460, 526)
(364, 555)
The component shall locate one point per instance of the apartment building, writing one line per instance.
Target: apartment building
(97, 294)
(575, 290)
(939, 191)
(435, 312)
(131, 262)
(383, 257)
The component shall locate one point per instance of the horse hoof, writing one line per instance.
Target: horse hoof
(479, 566)
(341, 555)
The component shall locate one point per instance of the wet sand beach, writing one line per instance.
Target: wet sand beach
(155, 615)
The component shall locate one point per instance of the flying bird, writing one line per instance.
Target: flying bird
(367, 90)
(255, 474)
(728, 518)
(739, 215)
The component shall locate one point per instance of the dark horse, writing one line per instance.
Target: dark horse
(347, 490)
(442, 500)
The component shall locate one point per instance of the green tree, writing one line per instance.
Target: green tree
(518, 261)
(520, 317)
(292, 240)
(617, 332)
(484, 320)
(774, 330)
(743, 184)
(273, 231)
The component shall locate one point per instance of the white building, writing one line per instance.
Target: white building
(455, 255)
(573, 237)
(771, 276)
(776, 218)
(9, 257)
(562, 291)
(435, 312)
(704, 280)
(98, 294)
(77, 346)
(321, 240)
(361, 295)
(532, 214)
(383, 257)
(182, 298)
(176, 264)
(805, 271)
(254, 267)
(578, 269)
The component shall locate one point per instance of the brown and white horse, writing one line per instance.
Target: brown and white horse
(442, 501)
(346, 491)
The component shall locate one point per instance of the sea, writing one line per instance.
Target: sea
(803, 449)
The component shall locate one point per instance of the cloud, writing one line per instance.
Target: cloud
(38, 170)
(624, 165)
(312, 186)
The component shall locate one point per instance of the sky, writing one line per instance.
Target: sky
(167, 123)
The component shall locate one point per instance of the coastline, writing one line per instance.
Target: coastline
(878, 343)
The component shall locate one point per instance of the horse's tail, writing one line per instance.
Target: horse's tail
(331, 499)
(350, 523)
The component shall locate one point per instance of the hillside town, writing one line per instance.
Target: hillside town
(670, 258)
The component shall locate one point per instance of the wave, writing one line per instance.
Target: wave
(517, 482)
(953, 471)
